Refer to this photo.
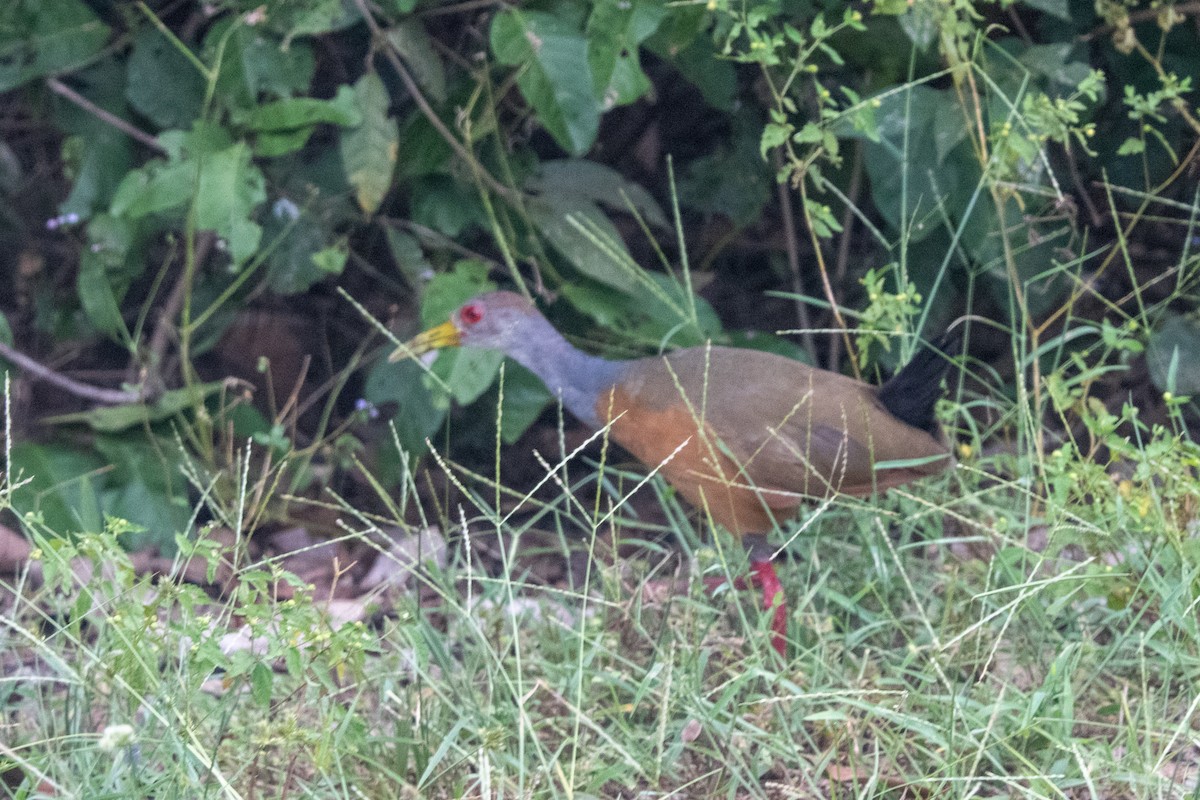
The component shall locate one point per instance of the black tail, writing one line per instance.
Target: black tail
(912, 392)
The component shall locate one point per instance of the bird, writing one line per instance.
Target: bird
(746, 436)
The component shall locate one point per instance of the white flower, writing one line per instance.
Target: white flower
(116, 737)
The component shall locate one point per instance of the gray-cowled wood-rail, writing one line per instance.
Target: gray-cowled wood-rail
(744, 435)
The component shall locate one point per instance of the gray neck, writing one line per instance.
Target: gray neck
(570, 374)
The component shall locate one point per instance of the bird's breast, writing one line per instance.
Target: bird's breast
(675, 441)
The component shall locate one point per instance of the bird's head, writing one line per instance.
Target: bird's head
(496, 321)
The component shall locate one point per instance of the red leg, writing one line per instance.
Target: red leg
(762, 573)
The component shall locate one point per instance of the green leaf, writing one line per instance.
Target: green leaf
(98, 296)
(291, 268)
(418, 413)
(679, 42)
(106, 158)
(97, 156)
(425, 152)
(256, 64)
(219, 178)
(1176, 341)
(1060, 62)
(446, 205)
(658, 319)
(920, 24)
(332, 260)
(285, 125)
(415, 47)
(467, 371)
(449, 290)
(733, 180)
(1055, 8)
(581, 233)
(316, 17)
(230, 188)
(924, 121)
(107, 266)
(163, 84)
(114, 419)
(1131, 146)
(302, 112)
(525, 396)
(40, 38)
(153, 189)
(369, 151)
(205, 137)
(614, 33)
(598, 183)
(261, 680)
(409, 257)
(556, 79)
(272, 144)
(775, 134)
(61, 487)
(145, 486)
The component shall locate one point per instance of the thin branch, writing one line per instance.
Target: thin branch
(825, 285)
(1183, 9)
(842, 261)
(62, 90)
(70, 385)
(791, 242)
(1081, 190)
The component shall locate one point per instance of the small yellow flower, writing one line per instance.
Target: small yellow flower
(1143, 505)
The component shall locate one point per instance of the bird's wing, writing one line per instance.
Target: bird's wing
(794, 431)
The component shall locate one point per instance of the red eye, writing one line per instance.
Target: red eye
(471, 313)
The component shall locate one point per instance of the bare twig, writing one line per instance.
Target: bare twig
(1183, 9)
(842, 261)
(825, 284)
(1081, 190)
(62, 90)
(792, 245)
(70, 385)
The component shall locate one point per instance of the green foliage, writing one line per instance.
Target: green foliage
(370, 150)
(38, 39)
(1171, 356)
(888, 314)
(1026, 161)
(945, 670)
(555, 77)
(209, 156)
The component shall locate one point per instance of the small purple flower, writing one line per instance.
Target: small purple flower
(366, 406)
